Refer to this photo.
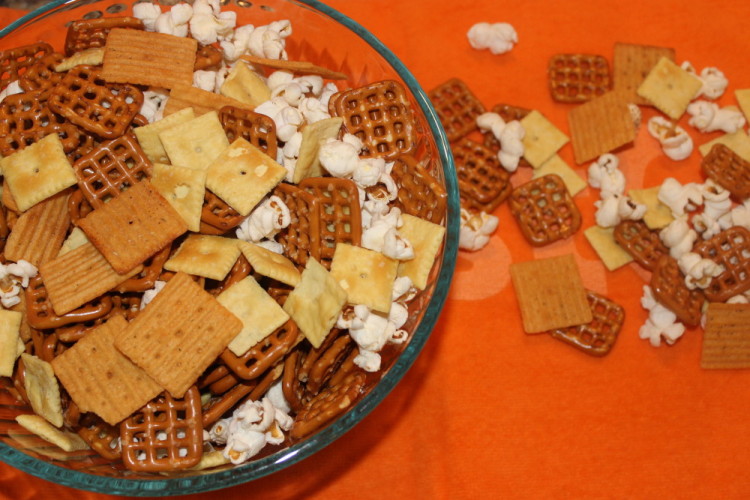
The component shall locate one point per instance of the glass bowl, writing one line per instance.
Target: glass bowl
(325, 37)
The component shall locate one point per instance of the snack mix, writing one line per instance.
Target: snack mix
(210, 251)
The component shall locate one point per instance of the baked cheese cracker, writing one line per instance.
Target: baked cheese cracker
(550, 293)
(743, 99)
(726, 336)
(42, 390)
(39, 232)
(657, 215)
(133, 226)
(315, 303)
(201, 101)
(366, 275)
(631, 63)
(184, 189)
(79, 276)
(10, 335)
(195, 143)
(603, 242)
(37, 172)
(260, 314)
(148, 58)
(556, 165)
(7, 198)
(739, 142)
(242, 175)
(271, 264)
(313, 135)
(670, 88)
(100, 379)
(205, 255)
(75, 239)
(67, 441)
(148, 135)
(89, 57)
(426, 238)
(600, 126)
(541, 138)
(244, 85)
(178, 334)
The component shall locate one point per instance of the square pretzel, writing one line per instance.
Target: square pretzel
(457, 108)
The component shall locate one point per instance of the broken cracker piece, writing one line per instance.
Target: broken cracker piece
(42, 390)
(67, 441)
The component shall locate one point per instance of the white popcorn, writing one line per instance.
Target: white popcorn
(175, 21)
(382, 235)
(661, 322)
(509, 134)
(372, 330)
(605, 175)
(680, 199)
(739, 299)
(313, 110)
(22, 270)
(698, 271)
(205, 80)
(12, 88)
(616, 208)
(149, 295)
(270, 41)
(147, 13)
(498, 37)
(716, 205)
(713, 80)
(678, 236)
(476, 229)
(674, 140)
(369, 361)
(271, 245)
(368, 172)
(635, 114)
(403, 289)
(154, 101)
(208, 24)
(236, 46)
(339, 158)
(266, 219)
(738, 216)
(286, 118)
(276, 395)
(13, 278)
(9, 295)
(709, 117)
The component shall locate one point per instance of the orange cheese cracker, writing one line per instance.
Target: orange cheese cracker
(179, 333)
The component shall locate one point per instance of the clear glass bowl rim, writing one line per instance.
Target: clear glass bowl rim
(282, 459)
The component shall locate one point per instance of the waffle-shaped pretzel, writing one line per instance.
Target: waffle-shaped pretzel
(244, 390)
(598, 336)
(102, 108)
(164, 435)
(39, 312)
(127, 305)
(483, 183)
(508, 113)
(25, 119)
(457, 108)
(578, 77)
(207, 57)
(419, 193)
(670, 290)
(728, 169)
(301, 238)
(264, 354)
(328, 363)
(216, 216)
(14, 62)
(328, 405)
(640, 242)
(92, 33)
(111, 168)
(731, 249)
(340, 215)
(78, 206)
(100, 436)
(380, 115)
(41, 76)
(545, 210)
(257, 129)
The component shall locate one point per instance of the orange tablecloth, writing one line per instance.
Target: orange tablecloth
(488, 411)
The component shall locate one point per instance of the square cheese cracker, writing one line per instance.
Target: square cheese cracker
(242, 175)
(313, 135)
(426, 238)
(603, 242)
(315, 303)
(260, 314)
(100, 379)
(65, 440)
(246, 86)
(542, 139)
(37, 172)
(366, 275)
(10, 328)
(204, 255)
(195, 143)
(148, 135)
(657, 215)
(556, 165)
(42, 390)
(178, 334)
(184, 189)
(271, 264)
(670, 88)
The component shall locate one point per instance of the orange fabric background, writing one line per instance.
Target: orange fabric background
(488, 411)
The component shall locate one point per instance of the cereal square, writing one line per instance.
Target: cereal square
(670, 88)
(542, 139)
(600, 126)
(366, 275)
(726, 337)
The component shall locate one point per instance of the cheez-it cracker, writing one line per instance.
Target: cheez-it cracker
(178, 334)
(133, 226)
